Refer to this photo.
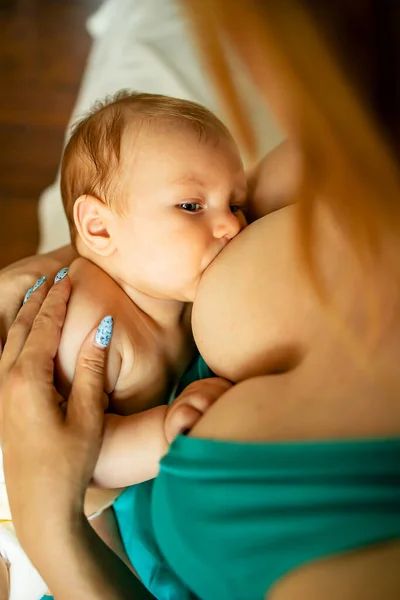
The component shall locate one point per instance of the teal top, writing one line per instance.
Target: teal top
(233, 518)
(226, 520)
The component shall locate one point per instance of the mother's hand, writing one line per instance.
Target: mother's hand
(50, 446)
(18, 277)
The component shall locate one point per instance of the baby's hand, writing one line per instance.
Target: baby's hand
(191, 405)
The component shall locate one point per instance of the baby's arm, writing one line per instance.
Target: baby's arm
(132, 448)
(134, 445)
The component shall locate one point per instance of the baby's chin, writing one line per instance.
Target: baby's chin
(191, 290)
(186, 292)
(190, 294)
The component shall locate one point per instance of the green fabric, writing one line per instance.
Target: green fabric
(232, 518)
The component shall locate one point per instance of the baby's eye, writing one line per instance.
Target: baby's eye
(190, 206)
(236, 208)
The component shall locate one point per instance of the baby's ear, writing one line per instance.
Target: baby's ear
(93, 222)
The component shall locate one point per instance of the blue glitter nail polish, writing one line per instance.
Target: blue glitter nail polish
(27, 295)
(104, 332)
(61, 274)
(34, 287)
(39, 283)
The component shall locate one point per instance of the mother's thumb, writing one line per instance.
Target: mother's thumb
(86, 400)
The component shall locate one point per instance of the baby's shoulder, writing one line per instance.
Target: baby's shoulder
(90, 280)
(94, 295)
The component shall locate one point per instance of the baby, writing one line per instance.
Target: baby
(153, 188)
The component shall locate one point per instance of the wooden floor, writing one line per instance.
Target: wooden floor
(43, 48)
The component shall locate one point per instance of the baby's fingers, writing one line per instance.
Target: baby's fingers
(192, 403)
(182, 419)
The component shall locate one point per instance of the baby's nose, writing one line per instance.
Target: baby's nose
(227, 225)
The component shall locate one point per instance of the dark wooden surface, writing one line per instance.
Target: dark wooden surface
(43, 49)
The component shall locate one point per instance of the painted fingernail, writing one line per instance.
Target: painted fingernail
(104, 332)
(27, 295)
(34, 287)
(61, 274)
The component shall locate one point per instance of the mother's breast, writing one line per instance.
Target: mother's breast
(252, 313)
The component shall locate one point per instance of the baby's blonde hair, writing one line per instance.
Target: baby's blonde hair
(92, 155)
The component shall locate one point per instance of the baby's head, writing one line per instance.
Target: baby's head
(153, 188)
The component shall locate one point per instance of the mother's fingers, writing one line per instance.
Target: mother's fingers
(44, 337)
(21, 327)
(86, 401)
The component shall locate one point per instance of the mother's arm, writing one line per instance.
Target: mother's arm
(48, 474)
(83, 567)
(273, 181)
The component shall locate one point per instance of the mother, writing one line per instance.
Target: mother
(288, 488)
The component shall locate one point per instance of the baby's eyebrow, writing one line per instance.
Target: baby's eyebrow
(190, 178)
(239, 192)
